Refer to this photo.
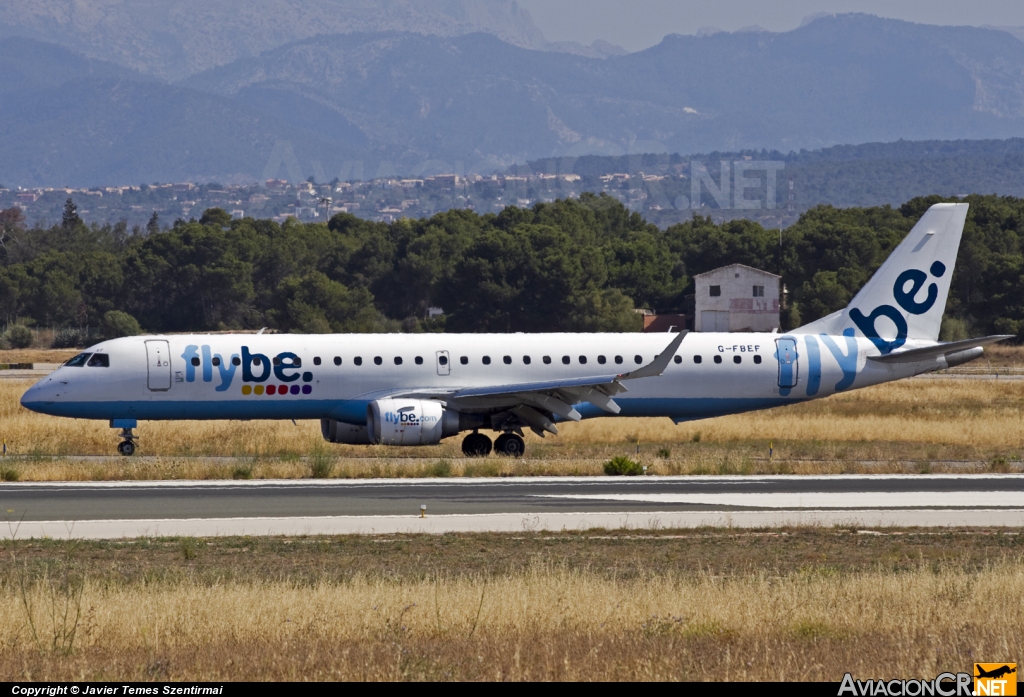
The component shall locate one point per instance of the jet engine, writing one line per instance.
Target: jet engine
(340, 432)
(410, 422)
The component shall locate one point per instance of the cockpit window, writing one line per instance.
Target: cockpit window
(78, 361)
(99, 360)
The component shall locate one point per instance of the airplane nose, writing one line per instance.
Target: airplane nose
(32, 399)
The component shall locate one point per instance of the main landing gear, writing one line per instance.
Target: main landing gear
(479, 445)
(127, 445)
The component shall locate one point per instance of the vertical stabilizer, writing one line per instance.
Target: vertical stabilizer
(906, 297)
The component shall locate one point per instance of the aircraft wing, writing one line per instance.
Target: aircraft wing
(922, 354)
(536, 403)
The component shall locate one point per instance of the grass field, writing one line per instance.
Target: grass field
(915, 425)
(706, 605)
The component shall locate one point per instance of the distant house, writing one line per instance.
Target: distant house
(736, 298)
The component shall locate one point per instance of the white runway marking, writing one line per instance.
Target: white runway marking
(824, 500)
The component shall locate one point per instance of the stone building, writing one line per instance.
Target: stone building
(736, 298)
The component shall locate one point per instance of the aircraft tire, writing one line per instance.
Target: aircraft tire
(126, 448)
(509, 445)
(476, 445)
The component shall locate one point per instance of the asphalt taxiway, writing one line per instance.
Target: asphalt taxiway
(297, 507)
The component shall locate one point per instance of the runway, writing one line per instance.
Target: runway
(300, 507)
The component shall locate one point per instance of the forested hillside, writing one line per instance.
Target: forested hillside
(569, 265)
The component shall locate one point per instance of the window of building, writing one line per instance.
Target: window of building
(487, 360)
(737, 359)
(547, 360)
(716, 291)
(697, 359)
(464, 360)
(718, 359)
(316, 360)
(507, 360)
(337, 360)
(419, 360)
(358, 360)
(99, 360)
(398, 360)
(758, 291)
(377, 360)
(526, 360)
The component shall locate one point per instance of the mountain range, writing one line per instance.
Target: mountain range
(135, 93)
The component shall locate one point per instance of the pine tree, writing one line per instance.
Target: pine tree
(153, 226)
(70, 220)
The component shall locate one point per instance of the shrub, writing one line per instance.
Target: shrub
(441, 468)
(242, 472)
(9, 474)
(321, 463)
(18, 336)
(664, 453)
(116, 324)
(622, 466)
(71, 337)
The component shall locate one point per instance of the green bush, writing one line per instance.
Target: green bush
(622, 466)
(441, 468)
(70, 337)
(9, 474)
(321, 463)
(117, 324)
(18, 336)
(242, 472)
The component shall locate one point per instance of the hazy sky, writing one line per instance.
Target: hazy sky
(637, 24)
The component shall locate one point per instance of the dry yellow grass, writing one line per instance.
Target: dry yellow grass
(545, 623)
(920, 420)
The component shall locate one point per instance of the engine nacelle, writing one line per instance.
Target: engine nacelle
(410, 422)
(341, 432)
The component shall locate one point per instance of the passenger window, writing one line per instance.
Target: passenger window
(358, 360)
(638, 359)
(235, 360)
(697, 359)
(618, 360)
(377, 360)
(737, 359)
(487, 360)
(195, 361)
(526, 360)
(255, 361)
(565, 360)
(316, 360)
(296, 362)
(337, 360)
(602, 360)
(757, 359)
(216, 361)
(678, 359)
(718, 359)
(78, 361)
(583, 360)
(419, 360)
(276, 360)
(99, 360)
(464, 360)
(398, 360)
(547, 360)
(443, 360)
(507, 360)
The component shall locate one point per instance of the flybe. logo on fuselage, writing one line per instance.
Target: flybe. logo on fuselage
(257, 368)
(906, 298)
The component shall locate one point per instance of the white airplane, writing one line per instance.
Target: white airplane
(417, 389)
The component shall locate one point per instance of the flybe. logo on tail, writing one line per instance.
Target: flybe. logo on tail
(905, 290)
(256, 368)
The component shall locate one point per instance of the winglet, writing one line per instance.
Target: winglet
(658, 365)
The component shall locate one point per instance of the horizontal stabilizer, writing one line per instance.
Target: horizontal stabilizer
(923, 354)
